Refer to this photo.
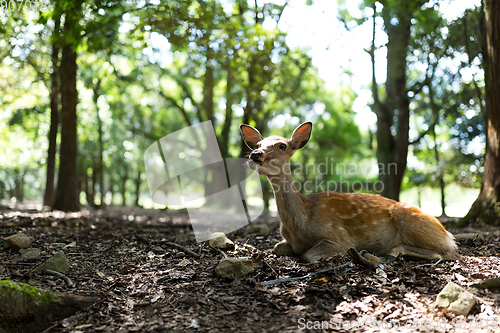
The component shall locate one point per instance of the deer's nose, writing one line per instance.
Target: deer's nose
(256, 155)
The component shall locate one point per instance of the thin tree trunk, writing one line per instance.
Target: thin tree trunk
(89, 189)
(392, 149)
(100, 166)
(440, 174)
(111, 191)
(224, 136)
(48, 198)
(124, 185)
(137, 187)
(93, 186)
(19, 189)
(66, 198)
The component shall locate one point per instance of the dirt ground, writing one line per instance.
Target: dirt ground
(121, 255)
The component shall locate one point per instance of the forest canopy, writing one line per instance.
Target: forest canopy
(88, 86)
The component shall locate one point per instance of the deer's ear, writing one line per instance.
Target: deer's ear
(250, 135)
(301, 135)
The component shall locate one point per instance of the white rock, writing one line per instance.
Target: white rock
(218, 240)
(455, 299)
(234, 267)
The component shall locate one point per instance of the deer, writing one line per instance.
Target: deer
(325, 224)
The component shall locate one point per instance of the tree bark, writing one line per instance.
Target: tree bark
(48, 198)
(100, 166)
(66, 198)
(226, 127)
(486, 208)
(440, 174)
(19, 183)
(111, 191)
(393, 114)
(138, 188)
(124, 185)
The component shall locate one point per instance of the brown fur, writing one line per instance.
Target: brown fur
(323, 224)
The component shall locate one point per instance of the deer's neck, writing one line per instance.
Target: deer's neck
(289, 200)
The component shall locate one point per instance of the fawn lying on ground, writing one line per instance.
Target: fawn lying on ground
(320, 225)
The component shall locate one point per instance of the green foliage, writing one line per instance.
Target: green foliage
(452, 102)
(148, 71)
(445, 88)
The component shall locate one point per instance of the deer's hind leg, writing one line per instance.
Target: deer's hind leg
(324, 249)
(412, 251)
(283, 248)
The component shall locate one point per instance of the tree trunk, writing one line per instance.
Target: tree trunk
(111, 191)
(393, 114)
(19, 183)
(66, 198)
(208, 87)
(48, 198)
(124, 185)
(89, 189)
(138, 188)
(93, 187)
(440, 174)
(486, 208)
(100, 167)
(224, 136)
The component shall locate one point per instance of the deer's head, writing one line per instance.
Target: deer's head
(270, 155)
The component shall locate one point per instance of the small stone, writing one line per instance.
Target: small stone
(17, 242)
(262, 229)
(158, 249)
(58, 262)
(30, 255)
(455, 299)
(234, 268)
(219, 240)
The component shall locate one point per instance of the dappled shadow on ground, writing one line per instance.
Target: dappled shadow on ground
(121, 255)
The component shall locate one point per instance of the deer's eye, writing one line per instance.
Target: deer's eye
(282, 146)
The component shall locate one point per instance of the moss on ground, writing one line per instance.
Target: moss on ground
(32, 293)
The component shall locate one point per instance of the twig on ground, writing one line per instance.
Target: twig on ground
(490, 283)
(225, 255)
(266, 284)
(19, 263)
(143, 239)
(219, 301)
(271, 267)
(51, 327)
(182, 248)
(59, 275)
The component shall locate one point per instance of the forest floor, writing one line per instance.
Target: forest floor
(119, 254)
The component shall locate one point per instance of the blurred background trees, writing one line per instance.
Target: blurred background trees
(88, 85)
